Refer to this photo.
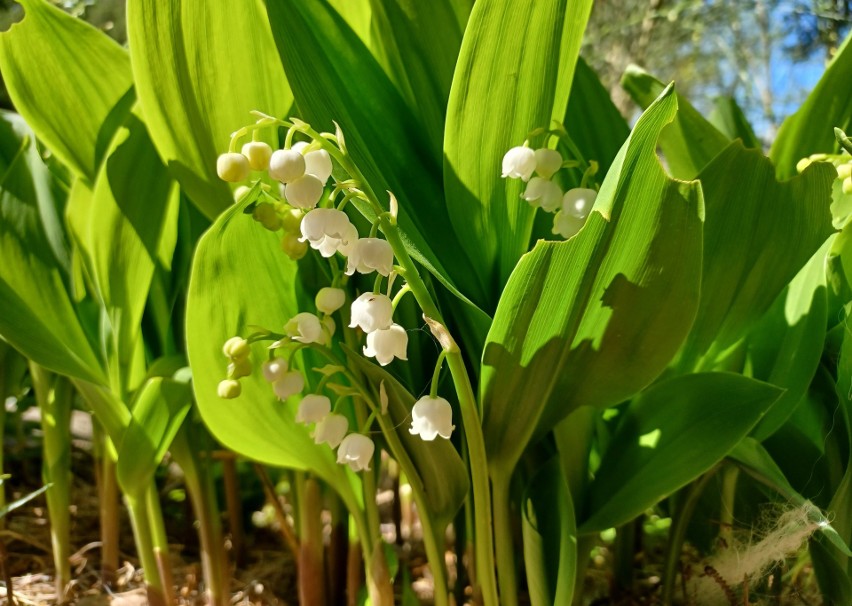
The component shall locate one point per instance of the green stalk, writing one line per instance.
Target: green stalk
(137, 508)
(54, 399)
(311, 575)
(159, 540)
(108, 495)
(503, 538)
(730, 475)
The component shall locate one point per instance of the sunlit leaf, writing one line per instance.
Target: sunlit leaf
(668, 436)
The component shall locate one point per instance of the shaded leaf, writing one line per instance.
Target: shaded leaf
(729, 119)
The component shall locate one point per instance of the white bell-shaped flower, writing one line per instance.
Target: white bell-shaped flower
(431, 417)
(371, 312)
(566, 225)
(313, 408)
(288, 385)
(519, 163)
(305, 328)
(258, 154)
(232, 167)
(329, 300)
(328, 230)
(317, 162)
(544, 193)
(368, 255)
(547, 162)
(286, 165)
(331, 430)
(356, 450)
(387, 344)
(274, 369)
(305, 192)
(579, 201)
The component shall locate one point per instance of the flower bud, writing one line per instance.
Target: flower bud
(328, 327)
(543, 193)
(317, 162)
(288, 385)
(368, 255)
(579, 201)
(356, 450)
(519, 163)
(291, 220)
(274, 369)
(305, 328)
(236, 348)
(241, 192)
(328, 230)
(331, 430)
(547, 162)
(232, 167)
(286, 165)
(387, 344)
(847, 185)
(305, 192)
(371, 312)
(229, 389)
(329, 300)
(293, 246)
(313, 409)
(432, 417)
(844, 170)
(566, 225)
(265, 215)
(240, 367)
(258, 154)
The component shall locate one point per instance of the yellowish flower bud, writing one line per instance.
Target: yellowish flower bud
(847, 185)
(236, 348)
(229, 389)
(291, 221)
(293, 247)
(232, 167)
(265, 215)
(239, 368)
(258, 154)
(844, 170)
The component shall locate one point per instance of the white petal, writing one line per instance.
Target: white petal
(547, 162)
(286, 165)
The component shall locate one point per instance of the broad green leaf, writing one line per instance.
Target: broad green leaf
(758, 234)
(442, 476)
(64, 77)
(39, 318)
(241, 278)
(513, 75)
(811, 129)
(200, 67)
(157, 414)
(690, 141)
(322, 54)
(729, 119)
(785, 346)
(834, 582)
(407, 31)
(550, 537)
(593, 320)
(668, 436)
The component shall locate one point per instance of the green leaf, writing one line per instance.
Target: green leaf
(441, 474)
(6, 509)
(158, 411)
(729, 119)
(39, 318)
(690, 141)
(240, 277)
(668, 436)
(550, 537)
(811, 129)
(64, 77)
(593, 320)
(758, 234)
(200, 68)
(322, 54)
(513, 75)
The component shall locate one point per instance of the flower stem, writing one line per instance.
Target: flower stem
(433, 388)
(503, 539)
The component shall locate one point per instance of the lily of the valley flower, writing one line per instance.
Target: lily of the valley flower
(371, 312)
(317, 163)
(274, 369)
(432, 417)
(329, 300)
(547, 162)
(288, 385)
(328, 230)
(566, 225)
(579, 201)
(357, 451)
(313, 409)
(519, 163)
(306, 328)
(544, 193)
(232, 167)
(387, 344)
(331, 430)
(229, 389)
(286, 165)
(236, 348)
(257, 153)
(304, 192)
(368, 255)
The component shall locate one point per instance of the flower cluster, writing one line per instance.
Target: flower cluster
(842, 163)
(542, 191)
(237, 350)
(386, 340)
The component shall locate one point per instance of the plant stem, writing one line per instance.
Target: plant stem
(506, 574)
(138, 510)
(311, 576)
(159, 540)
(726, 507)
(108, 506)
